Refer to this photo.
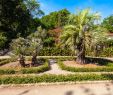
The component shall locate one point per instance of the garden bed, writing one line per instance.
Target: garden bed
(99, 65)
(10, 66)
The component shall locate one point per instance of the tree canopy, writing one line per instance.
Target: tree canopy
(108, 23)
(55, 19)
(17, 17)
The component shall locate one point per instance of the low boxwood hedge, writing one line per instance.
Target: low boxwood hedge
(53, 78)
(29, 70)
(108, 68)
(5, 61)
(39, 69)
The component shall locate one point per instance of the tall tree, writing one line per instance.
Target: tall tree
(55, 19)
(74, 33)
(108, 23)
(16, 17)
(36, 43)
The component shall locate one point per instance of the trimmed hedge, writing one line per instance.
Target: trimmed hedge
(39, 69)
(55, 51)
(74, 69)
(29, 70)
(53, 78)
(5, 61)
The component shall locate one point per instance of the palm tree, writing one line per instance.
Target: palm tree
(18, 47)
(36, 43)
(74, 34)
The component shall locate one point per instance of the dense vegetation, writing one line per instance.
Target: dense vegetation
(25, 30)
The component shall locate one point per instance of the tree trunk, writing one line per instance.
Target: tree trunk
(34, 59)
(22, 61)
(81, 52)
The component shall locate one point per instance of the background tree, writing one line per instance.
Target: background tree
(55, 19)
(34, 7)
(96, 39)
(17, 17)
(108, 23)
(3, 39)
(74, 33)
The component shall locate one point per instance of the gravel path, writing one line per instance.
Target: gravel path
(73, 89)
(56, 70)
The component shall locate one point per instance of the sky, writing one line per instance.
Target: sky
(104, 7)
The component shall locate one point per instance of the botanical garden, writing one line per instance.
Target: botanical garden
(58, 47)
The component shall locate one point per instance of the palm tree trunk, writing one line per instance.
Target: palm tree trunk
(34, 58)
(81, 53)
(22, 61)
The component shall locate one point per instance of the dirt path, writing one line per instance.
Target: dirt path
(74, 89)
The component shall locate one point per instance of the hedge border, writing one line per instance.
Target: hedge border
(74, 69)
(54, 78)
(30, 70)
(6, 61)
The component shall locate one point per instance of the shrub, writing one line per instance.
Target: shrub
(55, 52)
(5, 61)
(108, 68)
(53, 78)
(7, 71)
(30, 70)
(39, 69)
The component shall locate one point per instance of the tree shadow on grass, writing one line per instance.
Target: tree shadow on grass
(99, 61)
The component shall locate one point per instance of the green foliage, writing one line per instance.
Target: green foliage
(54, 78)
(8, 60)
(108, 23)
(55, 19)
(30, 70)
(49, 42)
(36, 40)
(16, 17)
(108, 68)
(3, 40)
(39, 69)
(34, 7)
(55, 51)
(74, 33)
(19, 46)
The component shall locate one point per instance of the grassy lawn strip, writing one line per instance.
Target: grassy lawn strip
(108, 68)
(29, 70)
(54, 78)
